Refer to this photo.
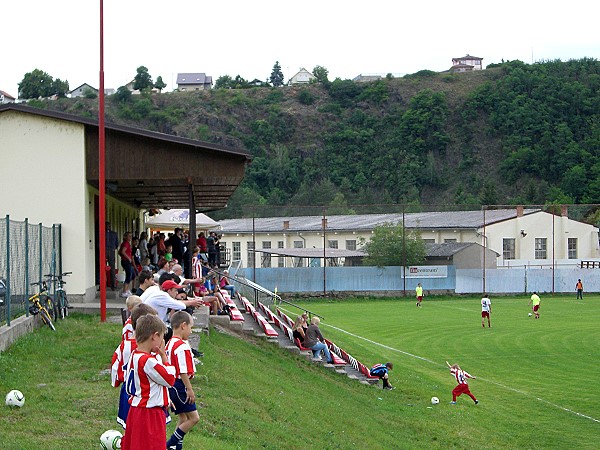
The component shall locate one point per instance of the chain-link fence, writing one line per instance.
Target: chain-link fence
(482, 245)
(27, 253)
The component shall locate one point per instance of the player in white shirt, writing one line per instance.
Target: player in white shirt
(486, 310)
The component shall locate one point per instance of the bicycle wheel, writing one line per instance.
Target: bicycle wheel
(47, 320)
(63, 304)
(51, 307)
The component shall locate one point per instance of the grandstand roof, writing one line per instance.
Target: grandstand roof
(422, 220)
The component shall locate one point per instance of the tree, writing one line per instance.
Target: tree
(160, 84)
(35, 84)
(393, 245)
(321, 74)
(60, 87)
(276, 75)
(142, 80)
(122, 95)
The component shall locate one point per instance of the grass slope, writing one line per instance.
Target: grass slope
(253, 395)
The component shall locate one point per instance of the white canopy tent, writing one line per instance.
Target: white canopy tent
(169, 219)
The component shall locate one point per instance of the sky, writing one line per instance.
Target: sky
(348, 37)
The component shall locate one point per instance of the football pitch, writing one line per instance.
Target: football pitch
(537, 380)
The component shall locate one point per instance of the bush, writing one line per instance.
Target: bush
(306, 97)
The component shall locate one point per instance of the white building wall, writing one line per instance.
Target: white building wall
(51, 188)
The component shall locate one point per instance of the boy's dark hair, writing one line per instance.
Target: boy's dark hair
(141, 310)
(147, 325)
(144, 275)
(179, 318)
(389, 365)
(164, 277)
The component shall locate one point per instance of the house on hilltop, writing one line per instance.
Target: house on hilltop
(466, 63)
(6, 98)
(302, 77)
(81, 91)
(194, 82)
(366, 78)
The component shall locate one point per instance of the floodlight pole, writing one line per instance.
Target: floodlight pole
(101, 176)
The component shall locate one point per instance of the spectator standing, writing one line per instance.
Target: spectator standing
(201, 243)
(315, 340)
(486, 310)
(112, 244)
(126, 255)
(177, 246)
(143, 246)
(579, 289)
(212, 251)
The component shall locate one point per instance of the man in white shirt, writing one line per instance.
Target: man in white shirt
(166, 298)
(486, 310)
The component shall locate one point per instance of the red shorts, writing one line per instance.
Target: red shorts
(536, 308)
(461, 389)
(420, 297)
(485, 314)
(146, 429)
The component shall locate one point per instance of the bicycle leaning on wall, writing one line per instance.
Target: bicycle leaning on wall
(42, 304)
(61, 303)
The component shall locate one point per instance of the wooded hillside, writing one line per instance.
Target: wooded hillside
(513, 133)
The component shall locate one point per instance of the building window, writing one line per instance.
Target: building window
(508, 248)
(250, 247)
(429, 241)
(541, 248)
(236, 251)
(266, 257)
(351, 244)
(332, 244)
(572, 243)
(449, 241)
(298, 262)
(281, 259)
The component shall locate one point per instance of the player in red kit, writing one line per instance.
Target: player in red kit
(463, 386)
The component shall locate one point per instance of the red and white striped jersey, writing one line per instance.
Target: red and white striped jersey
(460, 375)
(127, 332)
(120, 359)
(148, 380)
(180, 356)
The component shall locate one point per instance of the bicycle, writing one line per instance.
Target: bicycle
(61, 302)
(42, 304)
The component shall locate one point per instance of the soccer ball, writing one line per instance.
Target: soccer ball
(111, 440)
(435, 400)
(15, 398)
(530, 314)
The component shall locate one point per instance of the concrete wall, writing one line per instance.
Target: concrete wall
(18, 328)
(390, 281)
(43, 179)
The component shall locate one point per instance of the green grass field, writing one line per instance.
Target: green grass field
(537, 381)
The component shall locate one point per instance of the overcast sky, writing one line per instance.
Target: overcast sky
(349, 37)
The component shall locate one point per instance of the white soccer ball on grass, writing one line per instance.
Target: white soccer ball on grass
(530, 314)
(435, 400)
(15, 398)
(111, 440)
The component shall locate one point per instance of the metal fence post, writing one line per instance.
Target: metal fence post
(41, 248)
(27, 267)
(7, 296)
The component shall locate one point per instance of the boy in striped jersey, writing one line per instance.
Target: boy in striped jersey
(121, 358)
(183, 398)
(149, 374)
(131, 302)
(463, 386)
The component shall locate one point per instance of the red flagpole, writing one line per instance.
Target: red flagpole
(101, 176)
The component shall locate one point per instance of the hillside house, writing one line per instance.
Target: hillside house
(81, 91)
(194, 82)
(5, 97)
(466, 63)
(366, 78)
(302, 77)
